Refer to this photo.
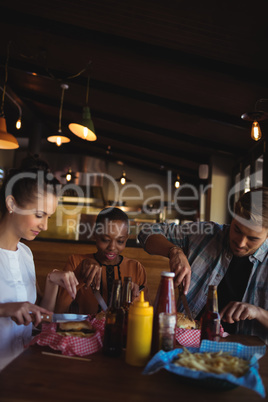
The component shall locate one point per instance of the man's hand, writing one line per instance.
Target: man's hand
(90, 273)
(179, 264)
(236, 311)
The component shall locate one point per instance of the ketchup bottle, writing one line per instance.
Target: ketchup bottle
(210, 321)
(164, 303)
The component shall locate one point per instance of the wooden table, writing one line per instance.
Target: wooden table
(37, 377)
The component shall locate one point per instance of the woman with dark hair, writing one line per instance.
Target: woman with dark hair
(28, 197)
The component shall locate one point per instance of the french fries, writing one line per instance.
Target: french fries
(212, 362)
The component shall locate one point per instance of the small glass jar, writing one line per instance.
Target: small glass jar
(167, 331)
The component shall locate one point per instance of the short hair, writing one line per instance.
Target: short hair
(253, 206)
(110, 214)
(25, 182)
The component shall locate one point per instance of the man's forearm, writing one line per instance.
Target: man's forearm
(159, 245)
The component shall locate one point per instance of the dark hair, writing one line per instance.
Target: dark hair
(23, 183)
(253, 206)
(111, 214)
(107, 215)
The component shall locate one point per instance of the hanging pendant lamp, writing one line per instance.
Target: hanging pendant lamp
(7, 141)
(59, 138)
(255, 117)
(84, 128)
(123, 179)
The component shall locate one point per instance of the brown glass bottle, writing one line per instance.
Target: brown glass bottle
(126, 302)
(113, 331)
(210, 321)
(164, 303)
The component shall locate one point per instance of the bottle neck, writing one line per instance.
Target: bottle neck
(212, 300)
(115, 301)
(126, 293)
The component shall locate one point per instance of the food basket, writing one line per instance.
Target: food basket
(251, 379)
(191, 337)
(72, 345)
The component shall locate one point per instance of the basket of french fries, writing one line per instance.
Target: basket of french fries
(219, 365)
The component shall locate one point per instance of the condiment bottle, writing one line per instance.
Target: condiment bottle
(139, 332)
(210, 321)
(167, 331)
(113, 330)
(126, 302)
(164, 303)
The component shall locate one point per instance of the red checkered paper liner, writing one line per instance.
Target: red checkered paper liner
(71, 345)
(191, 337)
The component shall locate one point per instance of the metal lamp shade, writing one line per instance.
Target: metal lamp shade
(7, 141)
(84, 129)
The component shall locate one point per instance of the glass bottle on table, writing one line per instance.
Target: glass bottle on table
(126, 302)
(210, 320)
(113, 330)
(164, 303)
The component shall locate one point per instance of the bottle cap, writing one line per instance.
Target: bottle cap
(141, 307)
(168, 274)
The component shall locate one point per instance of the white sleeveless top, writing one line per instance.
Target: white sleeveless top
(17, 284)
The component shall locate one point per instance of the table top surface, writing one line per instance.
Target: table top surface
(36, 376)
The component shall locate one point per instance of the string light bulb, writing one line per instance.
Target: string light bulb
(256, 131)
(177, 182)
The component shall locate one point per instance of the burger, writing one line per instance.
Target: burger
(82, 329)
(186, 323)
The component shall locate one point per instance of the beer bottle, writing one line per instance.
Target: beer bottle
(113, 330)
(126, 302)
(210, 321)
(164, 303)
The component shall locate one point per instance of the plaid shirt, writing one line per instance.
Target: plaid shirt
(206, 245)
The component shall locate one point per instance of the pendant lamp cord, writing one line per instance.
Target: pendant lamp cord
(63, 86)
(2, 114)
(87, 91)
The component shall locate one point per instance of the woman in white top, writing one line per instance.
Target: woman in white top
(28, 197)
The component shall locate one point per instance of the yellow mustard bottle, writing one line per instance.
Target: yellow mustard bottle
(139, 332)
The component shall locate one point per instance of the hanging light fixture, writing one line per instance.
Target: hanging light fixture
(255, 117)
(123, 178)
(85, 128)
(70, 175)
(7, 141)
(59, 138)
(177, 182)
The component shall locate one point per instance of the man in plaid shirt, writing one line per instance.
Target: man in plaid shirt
(233, 257)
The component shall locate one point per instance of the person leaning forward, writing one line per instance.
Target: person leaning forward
(233, 257)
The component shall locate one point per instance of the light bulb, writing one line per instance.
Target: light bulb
(68, 177)
(85, 129)
(177, 184)
(58, 141)
(123, 180)
(18, 124)
(255, 131)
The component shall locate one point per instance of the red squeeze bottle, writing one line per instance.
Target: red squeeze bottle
(210, 321)
(164, 303)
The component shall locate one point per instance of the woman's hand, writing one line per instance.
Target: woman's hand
(236, 311)
(23, 313)
(135, 292)
(179, 264)
(90, 273)
(65, 279)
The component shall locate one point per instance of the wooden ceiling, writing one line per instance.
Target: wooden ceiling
(169, 80)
